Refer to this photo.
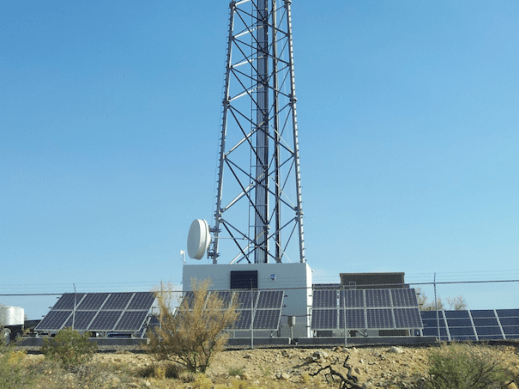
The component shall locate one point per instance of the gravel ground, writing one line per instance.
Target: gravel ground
(374, 366)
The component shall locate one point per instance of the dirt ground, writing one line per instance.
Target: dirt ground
(290, 368)
(381, 366)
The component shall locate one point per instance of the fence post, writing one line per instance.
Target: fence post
(344, 311)
(251, 318)
(162, 297)
(74, 312)
(437, 313)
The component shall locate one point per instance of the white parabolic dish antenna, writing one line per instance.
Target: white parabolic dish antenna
(198, 239)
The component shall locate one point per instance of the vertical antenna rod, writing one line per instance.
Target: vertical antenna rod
(262, 132)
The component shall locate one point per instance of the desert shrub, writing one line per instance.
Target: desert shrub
(69, 348)
(12, 373)
(202, 382)
(265, 371)
(461, 366)
(51, 374)
(305, 377)
(148, 371)
(169, 370)
(16, 357)
(194, 333)
(234, 371)
(238, 384)
(187, 377)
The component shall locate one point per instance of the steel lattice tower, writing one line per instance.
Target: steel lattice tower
(259, 212)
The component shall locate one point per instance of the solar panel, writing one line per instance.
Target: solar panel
(243, 298)
(270, 299)
(141, 301)
(266, 304)
(511, 331)
(434, 332)
(98, 311)
(188, 300)
(489, 336)
(407, 318)
(404, 298)
(324, 299)
(225, 296)
(54, 320)
(117, 301)
(459, 322)
(392, 304)
(485, 322)
(460, 325)
(478, 324)
(507, 312)
(324, 319)
(456, 314)
(431, 315)
(482, 313)
(81, 320)
(244, 320)
(377, 298)
(105, 321)
(92, 301)
(66, 301)
(267, 319)
(431, 323)
(355, 319)
(509, 321)
(352, 298)
(462, 333)
(131, 320)
(454, 331)
(489, 331)
(380, 318)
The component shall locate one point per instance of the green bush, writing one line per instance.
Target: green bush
(465, 366)
(69, 348)
(12, 373)
(168, 370)
(234, 371)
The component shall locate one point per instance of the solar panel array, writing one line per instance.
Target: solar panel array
(489, 324)
(110, 312)
(265, 304)
(364, 309)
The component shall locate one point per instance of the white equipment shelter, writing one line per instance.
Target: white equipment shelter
(295, 279)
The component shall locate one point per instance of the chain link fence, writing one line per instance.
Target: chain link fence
(502, 294)
(443, 295)
(454, 295)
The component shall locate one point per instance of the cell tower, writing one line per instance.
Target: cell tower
(259, 216)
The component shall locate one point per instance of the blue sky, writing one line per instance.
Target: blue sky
(110, 117)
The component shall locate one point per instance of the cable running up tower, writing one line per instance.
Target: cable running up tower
(258, 216)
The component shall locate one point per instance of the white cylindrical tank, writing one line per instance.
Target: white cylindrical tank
(11, 316)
